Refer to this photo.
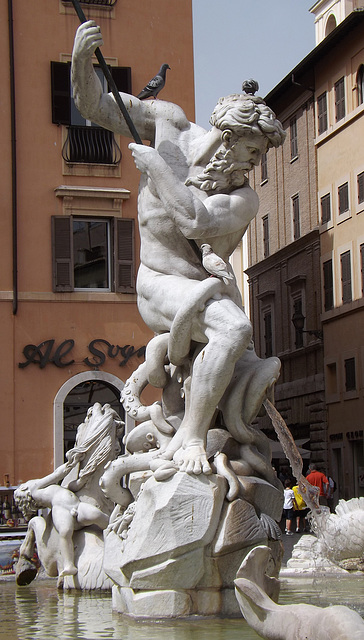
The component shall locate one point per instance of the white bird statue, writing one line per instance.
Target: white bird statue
(214, 264)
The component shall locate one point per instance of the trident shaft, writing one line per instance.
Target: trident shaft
(110, 79)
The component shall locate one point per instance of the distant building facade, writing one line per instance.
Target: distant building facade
(284, 250)
(306, 247)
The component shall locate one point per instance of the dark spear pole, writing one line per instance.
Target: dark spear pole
(110, 79)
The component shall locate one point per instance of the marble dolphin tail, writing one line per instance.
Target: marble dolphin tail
(288, 622)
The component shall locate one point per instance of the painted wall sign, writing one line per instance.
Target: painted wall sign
(48, 353)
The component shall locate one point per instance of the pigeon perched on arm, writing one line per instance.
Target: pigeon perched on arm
(214, 264)
(155, 85)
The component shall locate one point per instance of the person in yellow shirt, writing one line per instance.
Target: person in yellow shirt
(301, 511)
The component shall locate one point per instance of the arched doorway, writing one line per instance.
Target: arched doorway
(78, 401)
(72, 401)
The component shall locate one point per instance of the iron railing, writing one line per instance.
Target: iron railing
(91, 145)
(105, 3)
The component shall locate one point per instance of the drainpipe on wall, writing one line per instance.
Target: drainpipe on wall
(13, 159)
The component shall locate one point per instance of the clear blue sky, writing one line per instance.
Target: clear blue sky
(239, 39)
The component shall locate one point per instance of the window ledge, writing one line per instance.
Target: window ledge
(71, 296)
(343, 309)
(345, 215)
(332, 398)
(338, 126)
(91, 192)
(325, 226)
(350, 395)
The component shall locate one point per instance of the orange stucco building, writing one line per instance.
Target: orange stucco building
(71, 331)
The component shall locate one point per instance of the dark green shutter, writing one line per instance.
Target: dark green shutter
(61, 92)
(124, 256)
(62, 253)
(122, 78)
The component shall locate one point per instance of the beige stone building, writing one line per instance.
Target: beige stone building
(306, 247)
(71, 332)
(339, 90)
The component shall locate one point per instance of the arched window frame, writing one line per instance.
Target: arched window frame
(60, 397)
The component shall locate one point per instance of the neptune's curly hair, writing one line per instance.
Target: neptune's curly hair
(247, 113)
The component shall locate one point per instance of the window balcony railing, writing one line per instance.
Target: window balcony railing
(104, 3)
(91, 145)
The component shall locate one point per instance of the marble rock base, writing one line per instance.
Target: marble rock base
(205, 600)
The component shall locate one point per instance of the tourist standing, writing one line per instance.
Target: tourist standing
(289, 506)
(302, 510)
(318, 479)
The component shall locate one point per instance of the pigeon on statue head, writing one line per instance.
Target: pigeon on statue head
(155, 85)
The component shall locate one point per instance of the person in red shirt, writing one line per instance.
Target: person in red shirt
(318, 479)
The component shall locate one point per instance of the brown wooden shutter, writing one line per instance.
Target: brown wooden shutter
(124, 255)
(328, 286)
(346, 276)
(61, 92)
(62, 253)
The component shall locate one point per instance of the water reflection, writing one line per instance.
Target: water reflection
(41, 612)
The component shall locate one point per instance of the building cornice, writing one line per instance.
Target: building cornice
(302, 244)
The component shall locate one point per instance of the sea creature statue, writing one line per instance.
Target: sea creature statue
(338, 543)
(69, 539)
(257, 593)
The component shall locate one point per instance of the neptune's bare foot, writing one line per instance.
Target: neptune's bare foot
(192, 459)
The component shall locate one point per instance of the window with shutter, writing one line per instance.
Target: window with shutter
(350, 374)
(343, 193)
(124, 256)
(61, 92)
(340, 99)
(322, 112)
(346, 276)
(86, 142)
(328, 285)
(62, 253)
(265, 222)
(268, 334)
(264, 167)
(360, 84)
(294, 139)
(298, 310)
(325, 208)
(91, 253)
(122, 78)
(296, 217)
(360, 180)
(85, 257)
